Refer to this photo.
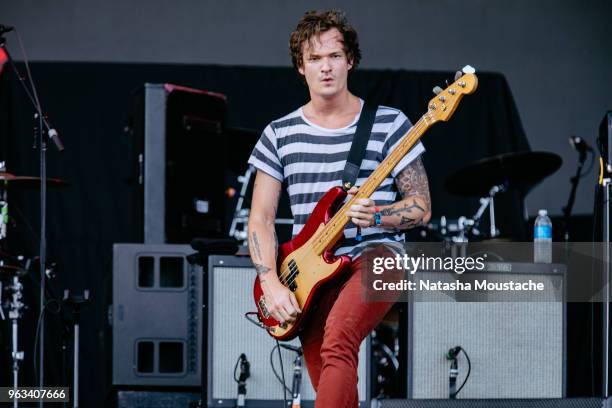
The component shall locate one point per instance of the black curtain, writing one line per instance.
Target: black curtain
(91, 104)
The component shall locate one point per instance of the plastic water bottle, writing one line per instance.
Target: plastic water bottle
(542, 238)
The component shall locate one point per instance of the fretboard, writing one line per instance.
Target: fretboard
(333, 230)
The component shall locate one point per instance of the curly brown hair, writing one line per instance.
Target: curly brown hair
(312, 24)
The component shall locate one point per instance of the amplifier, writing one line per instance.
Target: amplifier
(517, 349)
(230, 285)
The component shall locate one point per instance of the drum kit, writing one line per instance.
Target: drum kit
(485, 179)
(13, 268)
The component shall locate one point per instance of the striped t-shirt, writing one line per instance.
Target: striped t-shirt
(311, 160)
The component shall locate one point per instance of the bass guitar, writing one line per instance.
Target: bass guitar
(307, 262)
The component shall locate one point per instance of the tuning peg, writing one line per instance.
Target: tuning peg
(458, 75)
(468, 69)
(437, 90)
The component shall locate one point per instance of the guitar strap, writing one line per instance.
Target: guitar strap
(358, 147)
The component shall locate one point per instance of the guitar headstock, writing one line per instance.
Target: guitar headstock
(443, 105)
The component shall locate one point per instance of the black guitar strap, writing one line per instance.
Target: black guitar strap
(358, 147)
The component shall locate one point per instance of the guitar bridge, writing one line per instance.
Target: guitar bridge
(263, 308)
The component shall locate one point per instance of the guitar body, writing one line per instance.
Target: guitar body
(309, 270)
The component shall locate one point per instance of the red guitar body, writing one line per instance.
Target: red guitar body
(313, 270)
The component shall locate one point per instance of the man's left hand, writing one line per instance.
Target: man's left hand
(362, 211)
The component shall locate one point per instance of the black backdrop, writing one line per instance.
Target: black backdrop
(90, 104)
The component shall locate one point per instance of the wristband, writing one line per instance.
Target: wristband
(377, 217)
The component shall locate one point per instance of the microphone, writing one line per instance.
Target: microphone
(452, 353)
(245, 367)
(5, 29)
(245, 372)
(53, 135)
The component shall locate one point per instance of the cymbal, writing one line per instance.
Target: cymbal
(27, 181)
(522, 170)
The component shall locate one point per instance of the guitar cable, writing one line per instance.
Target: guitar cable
(451, 355)
(280, 358)
(252, 320)
(248, 316)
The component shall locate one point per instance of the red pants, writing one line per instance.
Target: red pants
(340, 320)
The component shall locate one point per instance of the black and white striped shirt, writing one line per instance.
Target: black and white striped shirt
(311, 160)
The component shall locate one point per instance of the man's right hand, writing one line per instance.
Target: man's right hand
(280, 301)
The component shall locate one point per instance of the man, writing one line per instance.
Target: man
(308, 149)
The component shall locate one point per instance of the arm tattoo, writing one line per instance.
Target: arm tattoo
(255, 243)
(406, 222)
(406, 207)
(261, 269)
(412, 181)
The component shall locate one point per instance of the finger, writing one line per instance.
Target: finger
(277, 316)
(353, 190)
(295, 303)
(353, 214)
(290, 310)
(288, 307)
(277, 312)
(283, 313)
(359, 210)
(361, 218)
(366, 202)
(360, 222)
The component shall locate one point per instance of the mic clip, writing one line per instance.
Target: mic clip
(453, 353)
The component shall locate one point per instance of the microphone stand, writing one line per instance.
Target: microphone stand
(77, 302)
(39, 134)
(245, 373)
(296, 396)
(297, 381)
(567, 210)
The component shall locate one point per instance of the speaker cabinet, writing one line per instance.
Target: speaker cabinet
(175, 129)
(517, 349)
(230, 288)
(157, 316)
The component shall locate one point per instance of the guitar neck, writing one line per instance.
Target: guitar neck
(333, 230)
(441, 107)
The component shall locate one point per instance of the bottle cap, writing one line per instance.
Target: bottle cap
(542, 213)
